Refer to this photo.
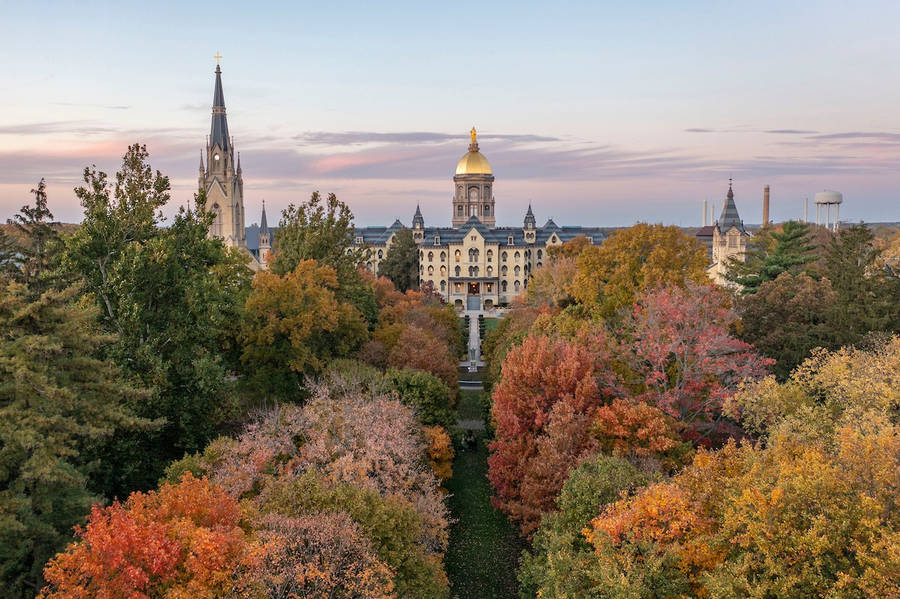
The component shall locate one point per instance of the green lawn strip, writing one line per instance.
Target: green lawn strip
(469, 405)
(482, 559)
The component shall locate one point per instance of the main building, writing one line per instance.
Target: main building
(473, 263)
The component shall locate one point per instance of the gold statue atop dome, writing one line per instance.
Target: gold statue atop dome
(473, 133)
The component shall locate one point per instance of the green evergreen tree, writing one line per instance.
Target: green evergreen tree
(57, 402)
(38, 245)
(401, 265)
(773, 252)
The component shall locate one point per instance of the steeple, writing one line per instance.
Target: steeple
(263, 225)
(239, 171)
(729, 217)
(201, 163)
(418, 220)
(530, 222)
(264, 239)
(218, 131)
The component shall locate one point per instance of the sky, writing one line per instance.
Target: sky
(596, 113)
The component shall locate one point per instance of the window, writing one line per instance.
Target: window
(732, 241)
(540, 255)
(437, 241)
(457, 271)
(540, 264)
(490, 271)
(359, 240)
(503, 271)
(503, 257)
(459, 210)
(489, 287)
(380, 254)
(457, 254)
(517, 271)
(487, 209)
(473, 210)
(473, 254)
(503, 286)
(431, 256)
(516, 285)
(476, 271)
(369, 266)
(443, 256)
(518, 256)
(443, 271)
(471, 271)
(473, 238)
(430, 271)
(443, 285)
(490, 255)
(509, 240)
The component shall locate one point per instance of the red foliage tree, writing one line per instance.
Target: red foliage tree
(536, 376)
(181, 541)
(679, 346)
(418, 349)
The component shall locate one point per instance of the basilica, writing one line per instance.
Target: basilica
(472, 263)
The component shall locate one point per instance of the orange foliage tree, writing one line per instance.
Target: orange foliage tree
(179, 542)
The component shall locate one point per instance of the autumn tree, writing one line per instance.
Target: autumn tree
(419, 349)
(401, 265)
(58, 401)
(294, 324)
(322, 230)
(181, 541)
(686, 361)
(634, 260)
(551, 284)
(545, 381)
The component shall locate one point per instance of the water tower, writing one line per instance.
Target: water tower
(829, 199)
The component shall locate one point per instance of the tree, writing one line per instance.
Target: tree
(424, 392)
(181, 541)
(323, 231)
(551, 284)
(639, 432)
(560, 561)
(633, 260)
(789, 317)
(9, 258)
(129, 213)
(773, 252)
(687, 362)
(294, 324)
(39, 245)
(538, 375)
(420, 350)
(58, 401)
(401, 265)
(865, 293)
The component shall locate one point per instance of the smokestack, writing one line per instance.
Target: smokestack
(765, 222)
(704, 213)
(806, 209)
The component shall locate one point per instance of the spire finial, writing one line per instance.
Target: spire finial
(218, 57)
(474, 134)
(473, 146)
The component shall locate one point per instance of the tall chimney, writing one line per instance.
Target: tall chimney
(765, 222)
(704, 213)
(806, 209)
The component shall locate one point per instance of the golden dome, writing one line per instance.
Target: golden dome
(473, 163)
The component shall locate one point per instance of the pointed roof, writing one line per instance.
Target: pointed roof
(530, 221)
(550, 225)
(418, 219)
(730, 217)
(218, 131)
(263, 225)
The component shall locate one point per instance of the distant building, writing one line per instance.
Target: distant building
(473, 263)
(727, 239)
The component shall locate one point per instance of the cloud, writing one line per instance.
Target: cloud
(106, 106)
(353, 138)
(699, 130)
(790, 132)
(73, 127)
(877, 135)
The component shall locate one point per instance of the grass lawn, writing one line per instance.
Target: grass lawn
(490, 324)
(484, 548)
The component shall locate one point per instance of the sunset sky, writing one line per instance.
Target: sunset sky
(594, 112)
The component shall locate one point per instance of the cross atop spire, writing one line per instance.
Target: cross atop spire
(218, 57)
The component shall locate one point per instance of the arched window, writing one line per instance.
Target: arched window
(431, 256)
(517, 256)
(473, 255)
(430, 271)
(443, 256)
(369, 266)
(490, 255)
(458, 255)
(459, 210)
(540, 264)
(487, 209)
(490, 271)
(217, 221)
(443, 286)
(540, 255)
(471, 271)
(380, 254)
(503, 257)
(476, 271)
(516, 285)
(503, 286)
(443, 271)
(457, 271)
(503, 270)
(517, 270)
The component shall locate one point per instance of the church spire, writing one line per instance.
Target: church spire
(418, 221)
(218, 131)
(730, 217)
(263, 225)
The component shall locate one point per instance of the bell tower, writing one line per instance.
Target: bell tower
(473, 182)
(222, 179)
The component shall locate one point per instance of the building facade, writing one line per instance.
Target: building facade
(473, 264)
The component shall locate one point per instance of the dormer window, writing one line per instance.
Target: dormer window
(437, 240)
(509, 240)
(359, 240)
